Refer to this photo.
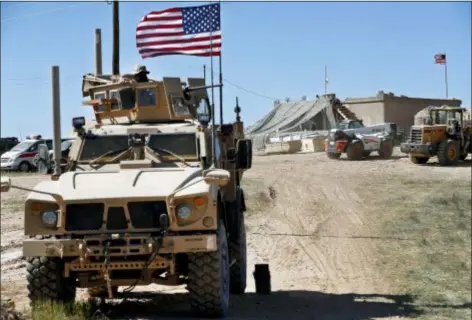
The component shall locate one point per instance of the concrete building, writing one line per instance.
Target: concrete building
(386, 107)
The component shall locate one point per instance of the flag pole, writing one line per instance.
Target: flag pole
(213, 133)
(221, 73)
(445, 77)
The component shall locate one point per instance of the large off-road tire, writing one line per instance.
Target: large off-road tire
(238, 252)
(448, 153)
(386, 149)
(46, 280)
(208, 275)
(418, 160)
(333, 155)
(355, 150)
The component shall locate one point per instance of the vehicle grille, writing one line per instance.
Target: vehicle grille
(89, 217)
(146, 214)
(3, 160)
(416, 135)
(116, 219)
(82, 217)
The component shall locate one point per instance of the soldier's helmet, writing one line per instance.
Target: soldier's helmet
(140, 69)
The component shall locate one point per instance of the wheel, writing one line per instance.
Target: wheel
(355, 150)
(333, 155)
(46, 281)
(448, 152)
(463, 157)
(238, 271)
(386, 149)
(366, 154)
(24, 166)
(208, 274)
(419, 160)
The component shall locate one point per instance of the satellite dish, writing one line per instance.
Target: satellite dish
(43, 159)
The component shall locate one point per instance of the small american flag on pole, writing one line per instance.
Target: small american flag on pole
(185, 31)
(440, 58)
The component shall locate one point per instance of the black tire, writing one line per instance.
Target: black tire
(366, 154)
(463, 157)
(355, 150)
(208, 275)
(24, 166)
(386, 149)
(419, 160)
(238, 251)
(46, 281)
(333, 155)
(448, 153)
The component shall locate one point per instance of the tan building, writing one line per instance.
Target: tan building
(386, 107)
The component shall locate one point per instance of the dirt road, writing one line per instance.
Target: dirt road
(310, 218)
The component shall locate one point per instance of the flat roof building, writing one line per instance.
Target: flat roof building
(387, 107)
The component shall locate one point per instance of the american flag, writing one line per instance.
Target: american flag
(440, 58)
(188, 31)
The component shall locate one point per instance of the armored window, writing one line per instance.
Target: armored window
(183, 144)
(127, 98)
(97, 96)
(115, 95)
(99, 145)
(180, 108)
(147, 97)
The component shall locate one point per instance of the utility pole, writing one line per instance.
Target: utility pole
(56, 114)
(116, 39)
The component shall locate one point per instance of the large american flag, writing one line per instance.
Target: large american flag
(188, 31)
(440, 58)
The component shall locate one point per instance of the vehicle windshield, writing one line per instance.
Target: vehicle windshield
(182, 144)
(97, 146)
(22, 146)
(444, 116)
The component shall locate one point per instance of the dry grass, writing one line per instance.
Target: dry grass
(431, 259)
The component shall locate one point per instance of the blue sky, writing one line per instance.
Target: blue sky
(275, 49)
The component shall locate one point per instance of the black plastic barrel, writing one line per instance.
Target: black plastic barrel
(262, 278)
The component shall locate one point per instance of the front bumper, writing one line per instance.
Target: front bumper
(418, 148)
(8, 166)
(119, 246)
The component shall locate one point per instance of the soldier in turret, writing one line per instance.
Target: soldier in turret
(140, 74)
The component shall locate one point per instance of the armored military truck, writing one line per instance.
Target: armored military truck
(151, 193)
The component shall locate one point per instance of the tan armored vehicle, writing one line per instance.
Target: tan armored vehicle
(151, 194)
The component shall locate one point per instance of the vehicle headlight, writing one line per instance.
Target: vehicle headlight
(184, 211)
(49, 218)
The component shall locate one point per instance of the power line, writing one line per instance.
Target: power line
(250, 91)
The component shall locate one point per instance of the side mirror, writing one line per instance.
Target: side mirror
(244, 154)
(78, 122)
(219, 177)
(5, 184)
